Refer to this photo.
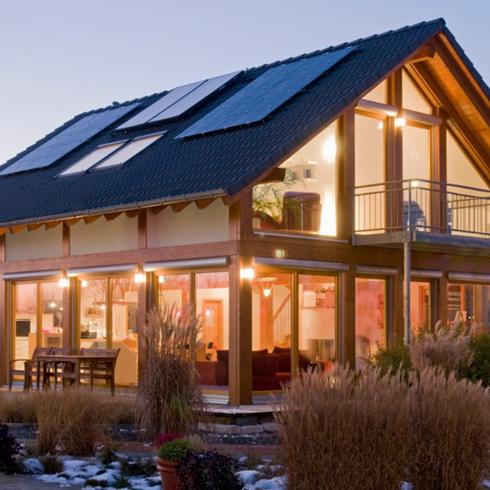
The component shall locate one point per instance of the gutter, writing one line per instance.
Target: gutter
(120, 208)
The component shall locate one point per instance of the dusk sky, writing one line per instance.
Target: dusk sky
(60, 57)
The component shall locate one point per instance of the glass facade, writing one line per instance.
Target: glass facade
(469, 304)
(300, 196)
(419, 307)
(370, 318)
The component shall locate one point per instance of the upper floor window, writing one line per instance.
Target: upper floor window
(412, 97)
(378, 93)
(300, 195)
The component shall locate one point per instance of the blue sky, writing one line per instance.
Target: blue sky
(61, 57)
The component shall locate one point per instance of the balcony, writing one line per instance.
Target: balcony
(427, 213)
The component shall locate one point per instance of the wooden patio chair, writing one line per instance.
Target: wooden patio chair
(31, 368)
(103, 368)
(55, 369)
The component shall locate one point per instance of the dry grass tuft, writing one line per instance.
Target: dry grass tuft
(450, 423)
(343, 432)
(447, 348)
(16, 408)
(74, 421)
(169, 392)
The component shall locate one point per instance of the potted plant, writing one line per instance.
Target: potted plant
(173, 449)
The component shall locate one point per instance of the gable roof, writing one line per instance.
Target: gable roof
(218, 164)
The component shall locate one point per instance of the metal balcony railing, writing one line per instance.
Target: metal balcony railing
(422, 205)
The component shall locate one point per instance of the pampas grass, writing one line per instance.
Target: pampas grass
(169, 394)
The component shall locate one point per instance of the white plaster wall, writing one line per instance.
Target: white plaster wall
(104, 236)
(191, 225)
(37, 244)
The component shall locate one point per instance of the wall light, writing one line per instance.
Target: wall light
(329, 149)
(63, 282)
(400, 122)
(84, 283)
(247, 273)
(139, 277)
(161, 279)
(267, 283)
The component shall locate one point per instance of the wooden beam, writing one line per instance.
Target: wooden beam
(133, 213)
(157, 209)
(5, 324)
(204, 203)
(52, 224)
(111, 216)
(91, 218)
(72, 221)
(240, 335)
(66, 240)
(142, 231)
(425, 53)
(34, 226)
(17, 228)
(240, 218)
(179, 206)
(346, 175)
(346, 308)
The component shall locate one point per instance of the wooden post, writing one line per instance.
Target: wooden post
(240, 348)
(346, 175)
(396, 302)
(4, 321)
(347, 317)
(442, 285)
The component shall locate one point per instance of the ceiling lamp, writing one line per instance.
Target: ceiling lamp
(266, 284)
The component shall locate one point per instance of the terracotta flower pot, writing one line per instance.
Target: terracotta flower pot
(168, 473)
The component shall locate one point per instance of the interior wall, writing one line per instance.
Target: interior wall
(104, 236)
(191, 225)
(37, 244)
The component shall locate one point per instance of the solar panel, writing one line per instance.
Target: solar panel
(195, 96)
(266, 93)
(160, 105)
(69, 139)
(178, 101)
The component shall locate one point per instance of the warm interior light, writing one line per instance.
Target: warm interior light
(267, 292)
(84, 283)
(329, 149)
(400, 122)
(139, 277)
(267, 283)
(161, 279)
(328, 218)
(52, 304)
(63, 282)
(381, 125)
(247, 273)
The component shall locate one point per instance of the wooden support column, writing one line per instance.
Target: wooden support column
(145, 293)
(439, 174)
(240, 343)
(347, 317)
(4, 321)
(442, 285)
(394, 156)
(346, 175)
(395, 299)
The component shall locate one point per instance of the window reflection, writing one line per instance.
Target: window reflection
(317, 320)
(271, 331)
(370, 318)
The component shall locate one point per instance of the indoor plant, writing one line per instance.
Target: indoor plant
(173, 449)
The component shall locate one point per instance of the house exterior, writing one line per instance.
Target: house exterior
(312, 210)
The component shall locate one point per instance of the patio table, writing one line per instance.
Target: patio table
(76, 361)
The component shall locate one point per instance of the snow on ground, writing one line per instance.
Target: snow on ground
(94, 475)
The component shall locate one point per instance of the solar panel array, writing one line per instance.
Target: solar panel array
(266, 93)
(67, 140)
(178, 101)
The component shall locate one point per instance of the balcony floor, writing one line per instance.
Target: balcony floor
(427, 241)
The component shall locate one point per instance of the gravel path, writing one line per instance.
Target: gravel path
(26, 482)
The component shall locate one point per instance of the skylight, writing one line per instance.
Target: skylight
(129, 151)
(112, 154)
(93, 158)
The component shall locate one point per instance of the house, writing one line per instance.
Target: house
(312, 210)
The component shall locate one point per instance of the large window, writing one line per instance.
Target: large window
(210, 298)
(300, 196)
(370, 151)
(117, 330)
(317, 320)
(38, 318)
(469, 304)
(413, 99)
(271, 330)
(370, 318)
(419, 307)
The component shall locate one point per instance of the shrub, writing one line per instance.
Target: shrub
(447, 349)
(72, 421)
(175, 450)
(450, 432)
(393, 358)
(342, 431)
(207, 470)
(18, 407)
(169, 394)
(9, 452)
(479, 368)
(51, 464)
